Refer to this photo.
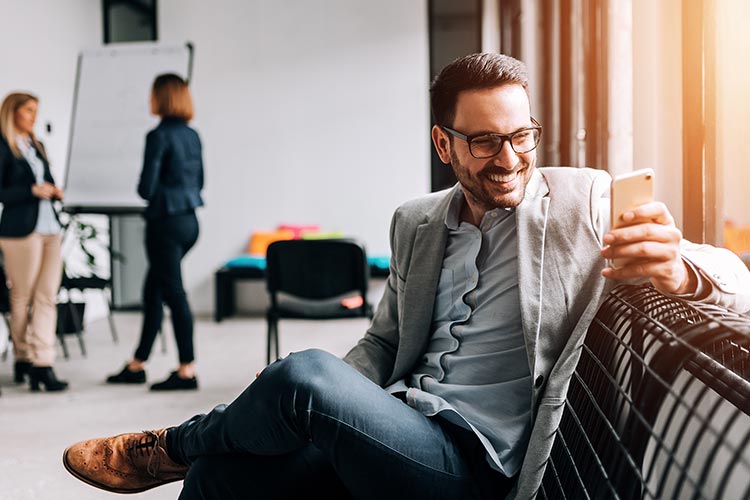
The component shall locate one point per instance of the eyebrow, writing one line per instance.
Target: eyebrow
(488, 132)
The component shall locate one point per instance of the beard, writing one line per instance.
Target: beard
(485, 188)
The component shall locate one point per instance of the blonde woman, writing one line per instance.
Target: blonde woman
(171, 182)
(30, 236)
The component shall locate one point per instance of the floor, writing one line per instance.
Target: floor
(36, 427)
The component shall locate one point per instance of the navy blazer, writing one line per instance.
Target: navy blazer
(20, 207)
(172, 175)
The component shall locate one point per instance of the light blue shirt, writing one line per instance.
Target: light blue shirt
(46, 222)
(475, 372)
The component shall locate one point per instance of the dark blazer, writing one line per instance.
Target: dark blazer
(20, 207)
(172, 175)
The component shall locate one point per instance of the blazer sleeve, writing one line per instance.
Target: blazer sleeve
(375, 354)
(723, 278)
(10, 195)
(152, 163)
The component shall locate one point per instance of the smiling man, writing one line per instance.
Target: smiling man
(456, 389)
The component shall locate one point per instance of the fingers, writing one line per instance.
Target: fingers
(655, 211)
(43, 191)
(643, 232)
(646, 250)
(46, 191)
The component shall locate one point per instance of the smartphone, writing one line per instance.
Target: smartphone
(628, 191)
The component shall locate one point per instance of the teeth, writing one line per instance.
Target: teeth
(502, 178)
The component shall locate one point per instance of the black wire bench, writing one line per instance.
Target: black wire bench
(659, 404)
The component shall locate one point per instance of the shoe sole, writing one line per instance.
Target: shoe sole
(104, 487)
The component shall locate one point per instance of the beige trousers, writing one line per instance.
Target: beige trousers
(33, 265)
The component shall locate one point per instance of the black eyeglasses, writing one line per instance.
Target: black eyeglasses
(488, 145)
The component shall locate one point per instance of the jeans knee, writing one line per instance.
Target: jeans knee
(308, 367)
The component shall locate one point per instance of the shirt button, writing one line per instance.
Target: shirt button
(539, 381)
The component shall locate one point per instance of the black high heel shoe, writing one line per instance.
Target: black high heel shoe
(20, 371)
(45, 376)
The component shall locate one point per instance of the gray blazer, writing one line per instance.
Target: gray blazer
(560, 225)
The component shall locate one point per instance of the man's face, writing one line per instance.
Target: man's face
(499, 181)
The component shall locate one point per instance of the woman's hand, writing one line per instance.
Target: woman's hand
(45, 191)
(59, 193)
(651, 244)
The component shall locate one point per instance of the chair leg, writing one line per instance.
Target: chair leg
(66, 354)
(111, 318)
(276, 339)
(78, 324)
(271, 338)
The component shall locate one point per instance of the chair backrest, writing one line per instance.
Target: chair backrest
(316, 269)
(659, 405)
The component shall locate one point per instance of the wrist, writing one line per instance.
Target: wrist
(689, 283)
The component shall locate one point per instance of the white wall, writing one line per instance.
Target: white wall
(310, 112)
(39, 45)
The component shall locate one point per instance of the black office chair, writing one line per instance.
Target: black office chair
(308, 279)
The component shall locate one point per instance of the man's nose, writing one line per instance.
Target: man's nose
(505, 158)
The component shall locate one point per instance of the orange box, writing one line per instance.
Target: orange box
(260, 240)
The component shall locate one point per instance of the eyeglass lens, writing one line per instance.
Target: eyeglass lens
(523, 141)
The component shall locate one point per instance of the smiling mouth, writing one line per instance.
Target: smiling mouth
(505, 178)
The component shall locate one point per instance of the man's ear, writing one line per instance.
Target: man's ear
(442, 144)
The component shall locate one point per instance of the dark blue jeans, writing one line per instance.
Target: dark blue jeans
(312, 426)
(168, 239)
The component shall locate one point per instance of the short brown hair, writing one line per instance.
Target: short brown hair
(172, 97)
(472, 72)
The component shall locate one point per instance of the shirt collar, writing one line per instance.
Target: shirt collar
(24, 142)
(453, 215)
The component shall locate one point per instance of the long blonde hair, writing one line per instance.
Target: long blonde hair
(8, 130)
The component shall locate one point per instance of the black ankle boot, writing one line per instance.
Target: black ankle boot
(20, 371)
(46, 376)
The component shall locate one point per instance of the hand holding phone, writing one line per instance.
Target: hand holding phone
(647, 235)
(629, 191)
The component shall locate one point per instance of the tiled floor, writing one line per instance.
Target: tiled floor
(36, 427)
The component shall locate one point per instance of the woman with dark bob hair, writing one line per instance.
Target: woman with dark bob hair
(171, 182)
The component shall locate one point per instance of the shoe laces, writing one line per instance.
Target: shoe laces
(147, 445)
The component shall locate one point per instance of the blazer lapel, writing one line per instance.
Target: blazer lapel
(421, 285)
(531, 222)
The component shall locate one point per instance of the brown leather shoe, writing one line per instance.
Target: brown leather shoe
(128, 463)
